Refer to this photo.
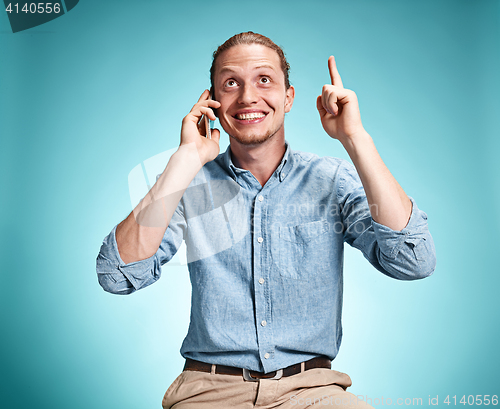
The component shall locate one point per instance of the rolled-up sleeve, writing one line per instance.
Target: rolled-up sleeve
(408, 254)
(117, 277)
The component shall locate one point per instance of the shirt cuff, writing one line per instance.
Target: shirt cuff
(137, 272)
(390, 241)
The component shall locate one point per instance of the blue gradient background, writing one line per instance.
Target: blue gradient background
(88, 96)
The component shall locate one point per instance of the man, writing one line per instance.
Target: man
(264, 228)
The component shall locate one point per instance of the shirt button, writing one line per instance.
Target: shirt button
(263, 323)
(260, 239)
(266, 356)
(261, 281)
(261, 198)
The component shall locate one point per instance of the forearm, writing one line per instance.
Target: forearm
(139, 236)
(389, 204)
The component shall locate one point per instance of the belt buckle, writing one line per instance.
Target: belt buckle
(248, 377)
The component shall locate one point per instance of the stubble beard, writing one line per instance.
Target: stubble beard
(256, 139)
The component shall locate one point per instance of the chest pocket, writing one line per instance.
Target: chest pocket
(301, 249)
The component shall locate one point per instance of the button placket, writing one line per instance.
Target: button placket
(259, 290)
(264, 332)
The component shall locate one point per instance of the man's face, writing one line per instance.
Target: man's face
(250, 86)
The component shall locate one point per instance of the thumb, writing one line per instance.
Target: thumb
(216, 135)
(321, 108)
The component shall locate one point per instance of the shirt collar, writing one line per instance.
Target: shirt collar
(281, 171)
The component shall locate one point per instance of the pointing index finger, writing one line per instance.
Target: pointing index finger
(334, 73)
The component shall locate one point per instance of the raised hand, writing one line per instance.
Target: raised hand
(193, 128)
(338, 107)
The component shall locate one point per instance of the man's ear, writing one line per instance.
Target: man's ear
(290, 95)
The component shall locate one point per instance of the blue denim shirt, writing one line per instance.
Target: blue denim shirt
(266, 263)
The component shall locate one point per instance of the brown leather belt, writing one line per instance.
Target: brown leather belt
(319, 362)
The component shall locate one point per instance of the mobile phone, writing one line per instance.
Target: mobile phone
(208, 122)
(208, 129)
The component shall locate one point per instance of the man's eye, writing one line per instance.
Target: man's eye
(230, 83)
(265, 80)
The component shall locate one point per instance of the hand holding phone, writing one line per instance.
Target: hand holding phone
(196, 128)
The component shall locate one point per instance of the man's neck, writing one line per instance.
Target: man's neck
(262, 160)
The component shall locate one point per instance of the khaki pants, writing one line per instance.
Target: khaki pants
(313, 388)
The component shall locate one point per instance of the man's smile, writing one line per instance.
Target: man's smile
(250, 117)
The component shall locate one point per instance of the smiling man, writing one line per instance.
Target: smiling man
(264, 228)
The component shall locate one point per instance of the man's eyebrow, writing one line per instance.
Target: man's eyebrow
(228, 69)
(265, 66)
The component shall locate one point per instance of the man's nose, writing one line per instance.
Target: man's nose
(248, 95)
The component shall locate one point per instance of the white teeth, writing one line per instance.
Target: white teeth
(253, 115)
